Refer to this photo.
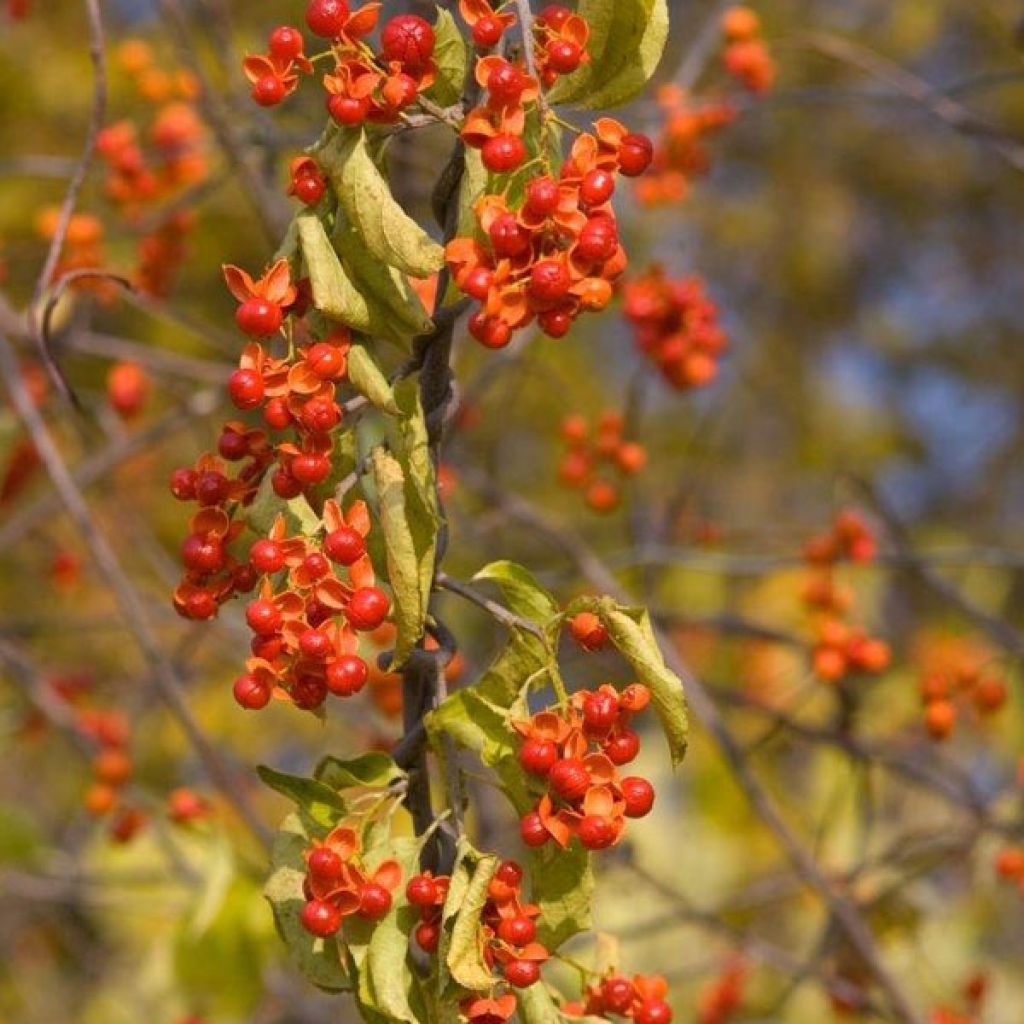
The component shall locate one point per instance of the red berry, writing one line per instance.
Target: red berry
(316, 565)
(532, 830)
(555, 323)
(327, 361)
(595, 832)
(509, 873)
(285, 485)
(286, 42)
(211, 488)
(310, 468)
(183, 484)
(638, 794)
(259, 318)
(421, 891)
(308, 692)
(326, 18)
(276, 414)
(244, 578)
(324, 864)
(541, 197)
(232, 445)
(263, 617)
(344, 545)
(537, 756)
(503, 153)
(569, 778)
(268, 91)
(490, 331)
(636, 152)
(622, 747)
(588, 631)
(506, 84)
(348, 110)
(320, 918)
(517, 931)
(252, 693)
(347, 675)
(598, 240)
(600, 712)
(202, 554)
(320, 415)
(597, 188)
(652, 1011)
(367, 608)
(477, 283)
(374, 901)
(309, 188)
(314, 644)
(408, 39)
(428, 936)
(266, 556)
(507, 237)
(549, 280)
(245, 388)
(487, 32)
(617, 993)
(564, 56)
(554, 16)
(267, 647)
(522, 973)
(200, 605)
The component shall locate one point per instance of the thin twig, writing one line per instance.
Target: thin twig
(504, 615)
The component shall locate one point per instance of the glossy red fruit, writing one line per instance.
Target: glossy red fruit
(509, 873)
(309, 189)
(537, 756)
(597, 188)
(374, 901)
(314, 644)
(408, 39)
(503, 153)
(251, 693)
(421, 891)
(598, 240)
(263, 617)
(348, 110)
(347, 675)
(320, 918)
(564, 56)
(617, 993)
(636, 151)
(487, 32)
(310, 468)
(324, 864)
(490, 331)
(320, 415)
(316, 565)
(326, 18)
(367, 608)
(327, 361)
(344, 545)
(246, 389)
(276, 414)
(200, 605)
(532, 830)
(285, 485)
(266, 556)
(202, 554)
(309, 692)
(507, 237)
(638, 794)
(569, 778)
(549, 280)
(286, 42)
(268, 91)
(541, 196)
(183, 484)
(506, 83)
(600, 713)
(652, 1011)
(555, 323)
(428, 936)
(622, 747)
(231, 445)
(211, 488)
(259, 318)
(517, 931)
(522, 973)
(588, 631)
(554, 16)
(477, 283)
(595, 832)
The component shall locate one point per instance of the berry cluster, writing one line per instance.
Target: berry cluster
(940, 692)
(557, 253)
(676, 326)
(83, 250)
(745, 57)
(362, 86)
(640, 998)
(850, 539)
(507, 924)
(585, 795)
(590, 451)
(841, 649)
(338, 884)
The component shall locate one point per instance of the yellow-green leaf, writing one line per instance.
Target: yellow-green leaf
(366, 377)
(334, 294)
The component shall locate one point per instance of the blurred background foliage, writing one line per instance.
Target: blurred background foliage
(866, 257)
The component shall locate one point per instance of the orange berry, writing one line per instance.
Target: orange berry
(112, 767)
(100, 800)
(631, 457)
(602, 496)
(740, 22)
(939, 719)
(989, 695)
(829, 663)
(1010, 864)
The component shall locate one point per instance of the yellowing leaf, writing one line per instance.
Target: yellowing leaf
(366, 377)
(451, 59)
(334, 294)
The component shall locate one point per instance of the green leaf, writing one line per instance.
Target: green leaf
(366, 377)
(404, 560)
(630, 631)
(627, 38)
(389, 232)
(451, 59)
(267, 506)
(523, 594)
(464, 956)
(319, 960)
(562, 885)
(318, 801)
(333, 292)
(537, 1006)
(368, 771)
